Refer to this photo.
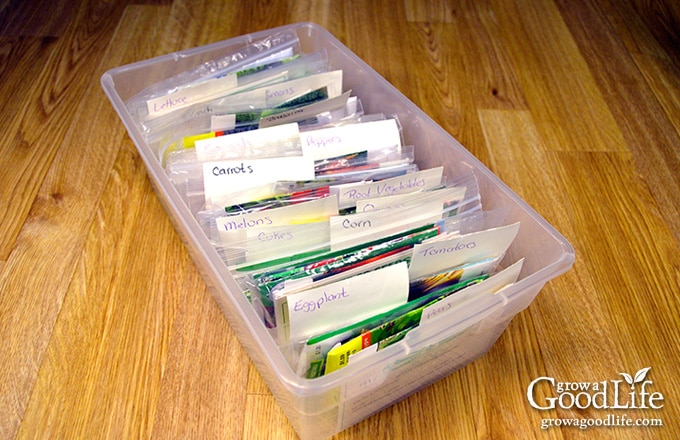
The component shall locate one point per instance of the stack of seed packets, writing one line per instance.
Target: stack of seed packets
(341, 242)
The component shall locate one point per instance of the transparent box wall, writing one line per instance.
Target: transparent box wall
(319, 408)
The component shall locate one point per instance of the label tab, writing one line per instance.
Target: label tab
(266, 142)
(489, 286)
(352, 193)
(353, 229)
(190, 95)
(336, 305)
(269, 243)
(345, 139)
(223, 179)
(235, 228)
(306, 112)
(434, 256)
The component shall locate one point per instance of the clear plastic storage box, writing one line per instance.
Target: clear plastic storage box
(318, 408)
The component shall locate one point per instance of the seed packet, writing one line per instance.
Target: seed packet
(266, 52)
(313, 360)
(271, 287)
(394, 330)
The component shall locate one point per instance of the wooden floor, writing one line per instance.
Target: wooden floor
(108, 331)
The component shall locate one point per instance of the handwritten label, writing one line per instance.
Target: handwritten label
(335, 305)
(237, 228)
(267, 142)
(444, 197)
(323, 299)
(190, 95)
(275, 96)
(308, 111)
(268, 243)
(222, 122)
(277, 93)
(351, 194)
(352, 229)
(345, 139)
(434, 256)
(491, 285)
(225, 178)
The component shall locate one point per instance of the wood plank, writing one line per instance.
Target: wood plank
(491, 75)
(4, 4)
(438, 11)
(192, 24)
(23, 163)
(518, 150)
(201, 393)
(256, 384)
(556, 79)
(18, 60)
(44, 257)
(264, 407)
(464, 59)
(437, 91)
(165, 353)
(645, 106)
(20, 18)
(378, 49)
(612, 182)
(662, 20)
(625, 232)
(503, 376)
(108, 330)
(28, 152)
(326, 13)
(632, 237)
(662, 76)
(636, 49)
(49, 107)
(116, 318)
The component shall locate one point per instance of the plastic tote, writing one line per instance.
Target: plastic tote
(319, 408)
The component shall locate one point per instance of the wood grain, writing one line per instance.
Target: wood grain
(22, 19)
(645, 105)
(107, 330)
